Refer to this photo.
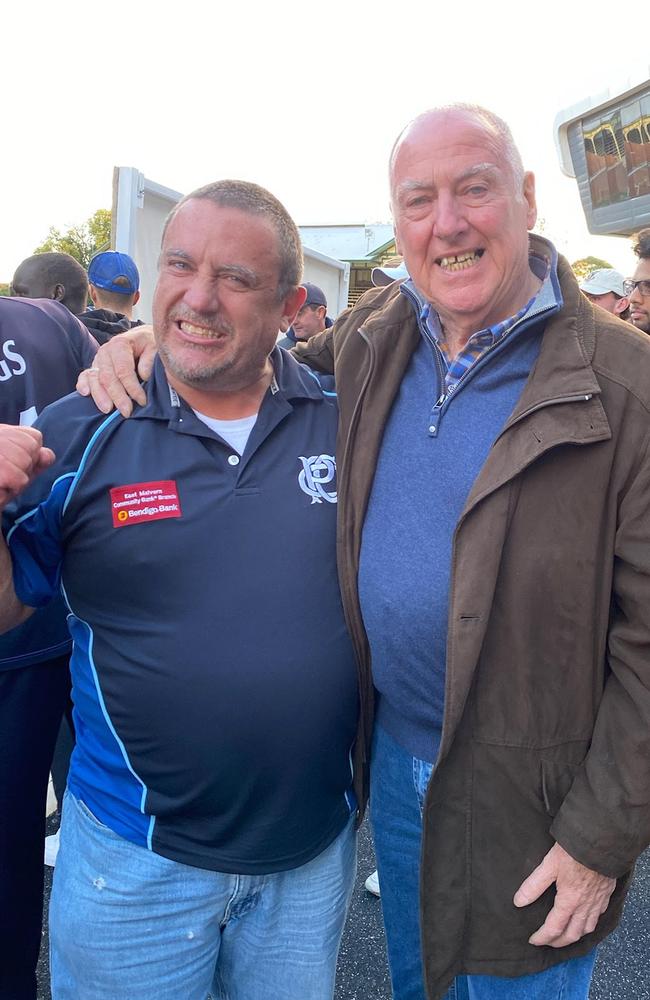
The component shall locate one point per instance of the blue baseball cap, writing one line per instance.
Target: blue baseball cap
(114, 272)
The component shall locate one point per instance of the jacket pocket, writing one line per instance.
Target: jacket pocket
(557, 778)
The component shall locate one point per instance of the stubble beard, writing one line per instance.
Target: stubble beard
(195, 374)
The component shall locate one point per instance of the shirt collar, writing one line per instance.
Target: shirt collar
(291, 380)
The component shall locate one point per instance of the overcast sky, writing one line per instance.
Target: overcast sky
(304, 98)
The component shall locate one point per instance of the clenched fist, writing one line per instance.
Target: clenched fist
(22, 457)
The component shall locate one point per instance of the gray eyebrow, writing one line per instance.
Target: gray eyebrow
(478, 168)
(406, 186)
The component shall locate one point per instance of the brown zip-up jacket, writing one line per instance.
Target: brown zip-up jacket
(546, 732)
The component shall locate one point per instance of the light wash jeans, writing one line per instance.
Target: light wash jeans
(398, 786)
(127, 923)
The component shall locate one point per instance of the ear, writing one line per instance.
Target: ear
(92, 291)
(620, 306)
(136, 297)
(58, 293)
(530, 199)
(291, 306)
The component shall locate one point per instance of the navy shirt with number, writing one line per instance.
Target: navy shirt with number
(43, 347)
(214, 683)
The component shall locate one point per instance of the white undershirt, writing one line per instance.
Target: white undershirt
(235, 432)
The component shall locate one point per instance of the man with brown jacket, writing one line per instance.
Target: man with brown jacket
(494, 558)
(486, 407)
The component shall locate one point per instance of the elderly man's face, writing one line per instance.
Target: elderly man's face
(460, 221)
(216, 312)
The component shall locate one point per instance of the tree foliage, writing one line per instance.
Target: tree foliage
(583, 268)
(83, 241)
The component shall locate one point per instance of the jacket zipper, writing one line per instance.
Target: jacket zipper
(436, 412)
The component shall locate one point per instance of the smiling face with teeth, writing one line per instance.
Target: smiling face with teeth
(461, 220)
(216, 310)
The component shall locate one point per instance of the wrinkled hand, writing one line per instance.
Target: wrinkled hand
(22, 457)
(113, 379)
(582, 895)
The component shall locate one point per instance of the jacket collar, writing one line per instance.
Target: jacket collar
(563, 367)
(560, 403)
(542, 260)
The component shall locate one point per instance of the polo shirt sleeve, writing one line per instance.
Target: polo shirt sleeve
(32, 529)
(32, 524)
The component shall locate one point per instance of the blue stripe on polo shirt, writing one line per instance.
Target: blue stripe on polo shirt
(100, 769)
(115, 415)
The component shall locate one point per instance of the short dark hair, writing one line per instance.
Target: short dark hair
(62, 269)
(256, 200)
(641, 246)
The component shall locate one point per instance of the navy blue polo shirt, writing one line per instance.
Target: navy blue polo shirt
(214, 683)
(43, 347)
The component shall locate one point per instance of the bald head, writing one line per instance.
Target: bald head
(496, 130)
(52, 276)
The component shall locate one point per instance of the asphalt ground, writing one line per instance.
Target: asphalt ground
(622, 969)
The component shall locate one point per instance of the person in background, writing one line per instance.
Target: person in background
(638, 287)
(312, 317)
(114, 286)
(42, 350)
(392, 270)
(55, 276)
(604, 288)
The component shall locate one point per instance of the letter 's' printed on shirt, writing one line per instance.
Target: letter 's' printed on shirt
(140, 502)
(316, 473)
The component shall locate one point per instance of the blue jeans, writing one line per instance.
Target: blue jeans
(127, 923)
(397, 789)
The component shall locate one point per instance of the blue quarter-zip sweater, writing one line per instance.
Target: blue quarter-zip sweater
(422, 481)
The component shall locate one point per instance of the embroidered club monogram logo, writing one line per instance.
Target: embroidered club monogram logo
(317, 472)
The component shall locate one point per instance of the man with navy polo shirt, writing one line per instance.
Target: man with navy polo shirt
(207, 837)
(42, 350)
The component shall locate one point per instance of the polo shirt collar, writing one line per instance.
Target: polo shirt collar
(291, 381)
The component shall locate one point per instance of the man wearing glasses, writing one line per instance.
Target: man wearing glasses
(637, 288)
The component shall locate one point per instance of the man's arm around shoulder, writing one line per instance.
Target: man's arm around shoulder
(318, 351)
